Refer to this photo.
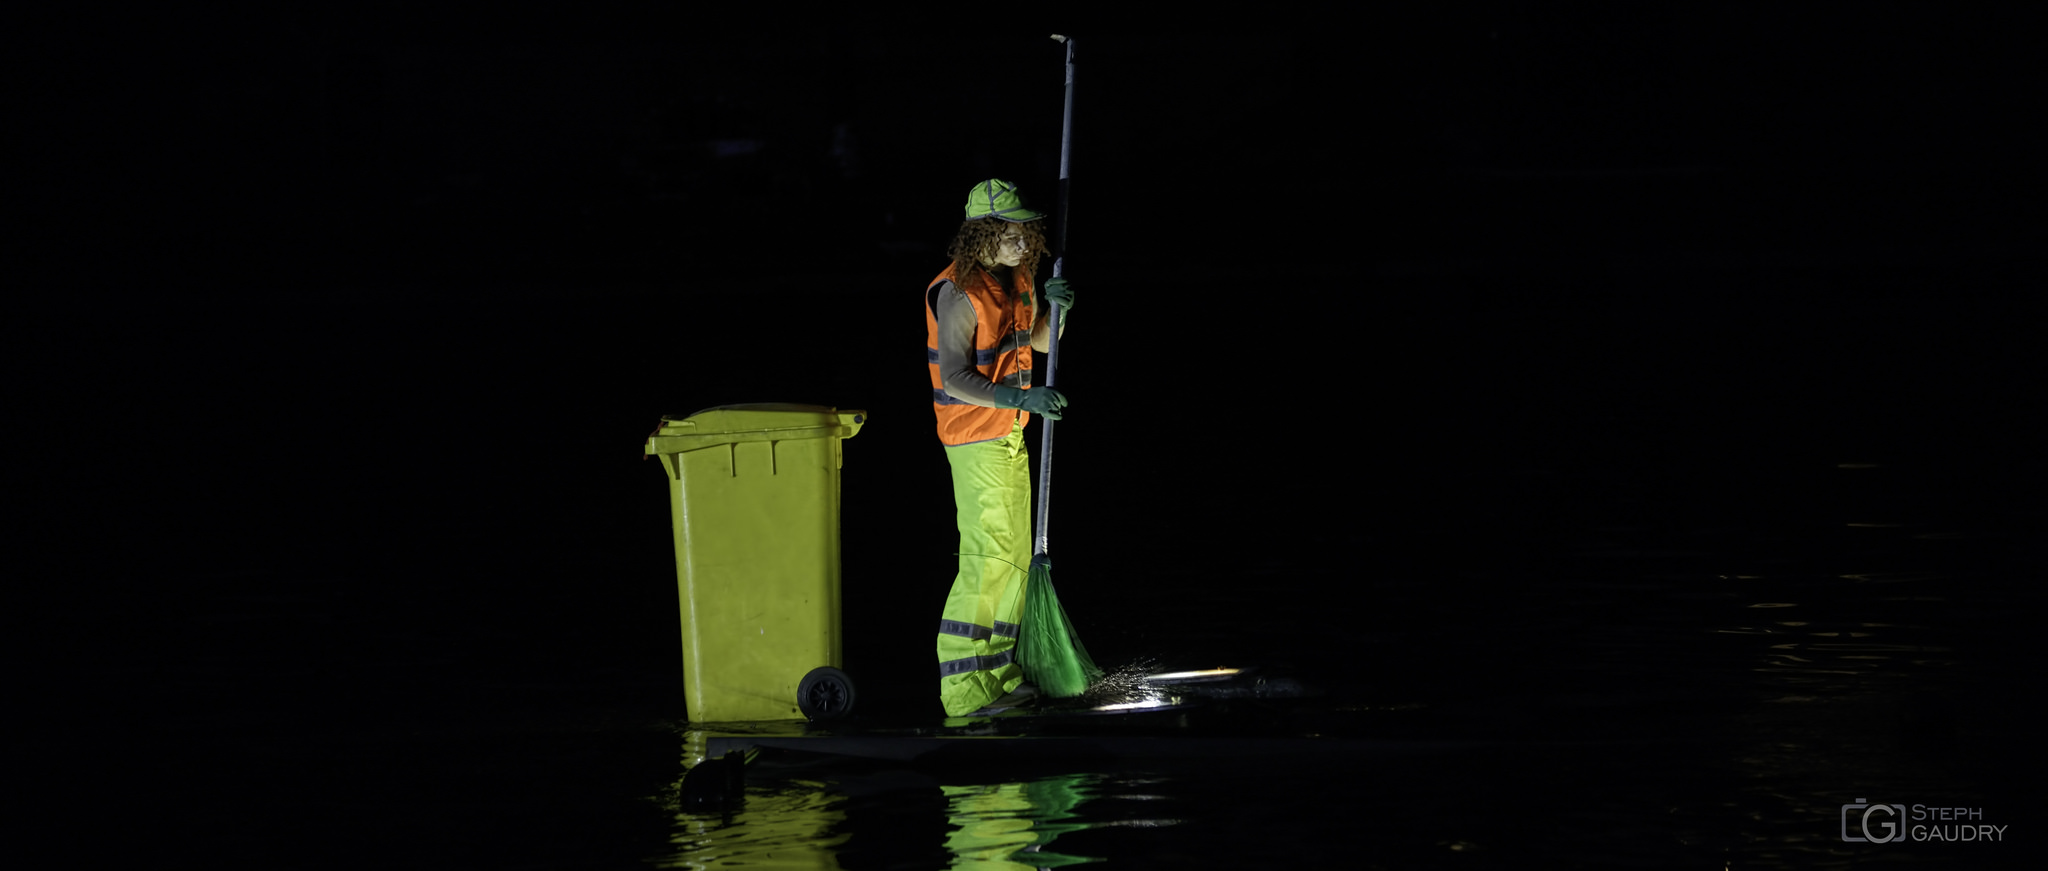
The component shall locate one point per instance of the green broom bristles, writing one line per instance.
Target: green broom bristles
(1047, 648)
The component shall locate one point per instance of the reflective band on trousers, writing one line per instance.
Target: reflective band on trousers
(975, 663)
(977, 633)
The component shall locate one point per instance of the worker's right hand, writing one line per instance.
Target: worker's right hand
(1060, 292)
(1037, 400)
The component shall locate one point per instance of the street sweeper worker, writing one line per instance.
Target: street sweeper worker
(983, 319)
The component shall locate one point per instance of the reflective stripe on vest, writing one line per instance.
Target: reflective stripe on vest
(1002, 353)
(984, 359)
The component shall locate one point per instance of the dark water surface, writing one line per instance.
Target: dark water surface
(1617, 586)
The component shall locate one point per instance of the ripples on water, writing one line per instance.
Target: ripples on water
(1703, 697)
(789, 825)
(787, 820)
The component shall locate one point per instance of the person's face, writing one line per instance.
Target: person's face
(1009, 249)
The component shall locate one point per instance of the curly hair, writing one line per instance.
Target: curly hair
(982, 234)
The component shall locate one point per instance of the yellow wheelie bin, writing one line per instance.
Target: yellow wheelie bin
(754, 496)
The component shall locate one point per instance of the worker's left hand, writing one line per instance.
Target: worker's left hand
(1060, 292)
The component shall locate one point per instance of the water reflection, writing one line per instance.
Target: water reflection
(789, 826)
(786, 823)
(1009, 825)
(797, 812)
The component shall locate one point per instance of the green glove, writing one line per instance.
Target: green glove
(1058, 291)
(1038, 400)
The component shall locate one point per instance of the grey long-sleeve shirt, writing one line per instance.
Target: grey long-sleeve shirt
(954, 313)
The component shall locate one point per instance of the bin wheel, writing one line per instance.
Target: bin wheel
(825, 694)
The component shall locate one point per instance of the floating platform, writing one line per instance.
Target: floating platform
(1167, 718)
(924, 749)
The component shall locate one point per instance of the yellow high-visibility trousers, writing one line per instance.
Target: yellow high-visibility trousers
(978, 629)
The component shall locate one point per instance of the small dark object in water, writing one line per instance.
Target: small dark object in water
(715, 783)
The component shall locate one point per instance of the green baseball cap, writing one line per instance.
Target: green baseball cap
(998, 198)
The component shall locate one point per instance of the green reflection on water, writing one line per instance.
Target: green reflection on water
(1008, 825)
(790, 828)
(800, 823)
(792, 825)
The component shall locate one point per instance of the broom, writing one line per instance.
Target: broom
(1049, 652)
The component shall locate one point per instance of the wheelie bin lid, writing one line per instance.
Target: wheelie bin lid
(752, 422)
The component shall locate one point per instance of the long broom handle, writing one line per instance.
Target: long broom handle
(1043, 525)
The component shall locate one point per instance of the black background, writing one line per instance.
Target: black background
(315, 314)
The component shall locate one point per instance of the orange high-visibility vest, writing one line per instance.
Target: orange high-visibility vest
(1002, 353)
